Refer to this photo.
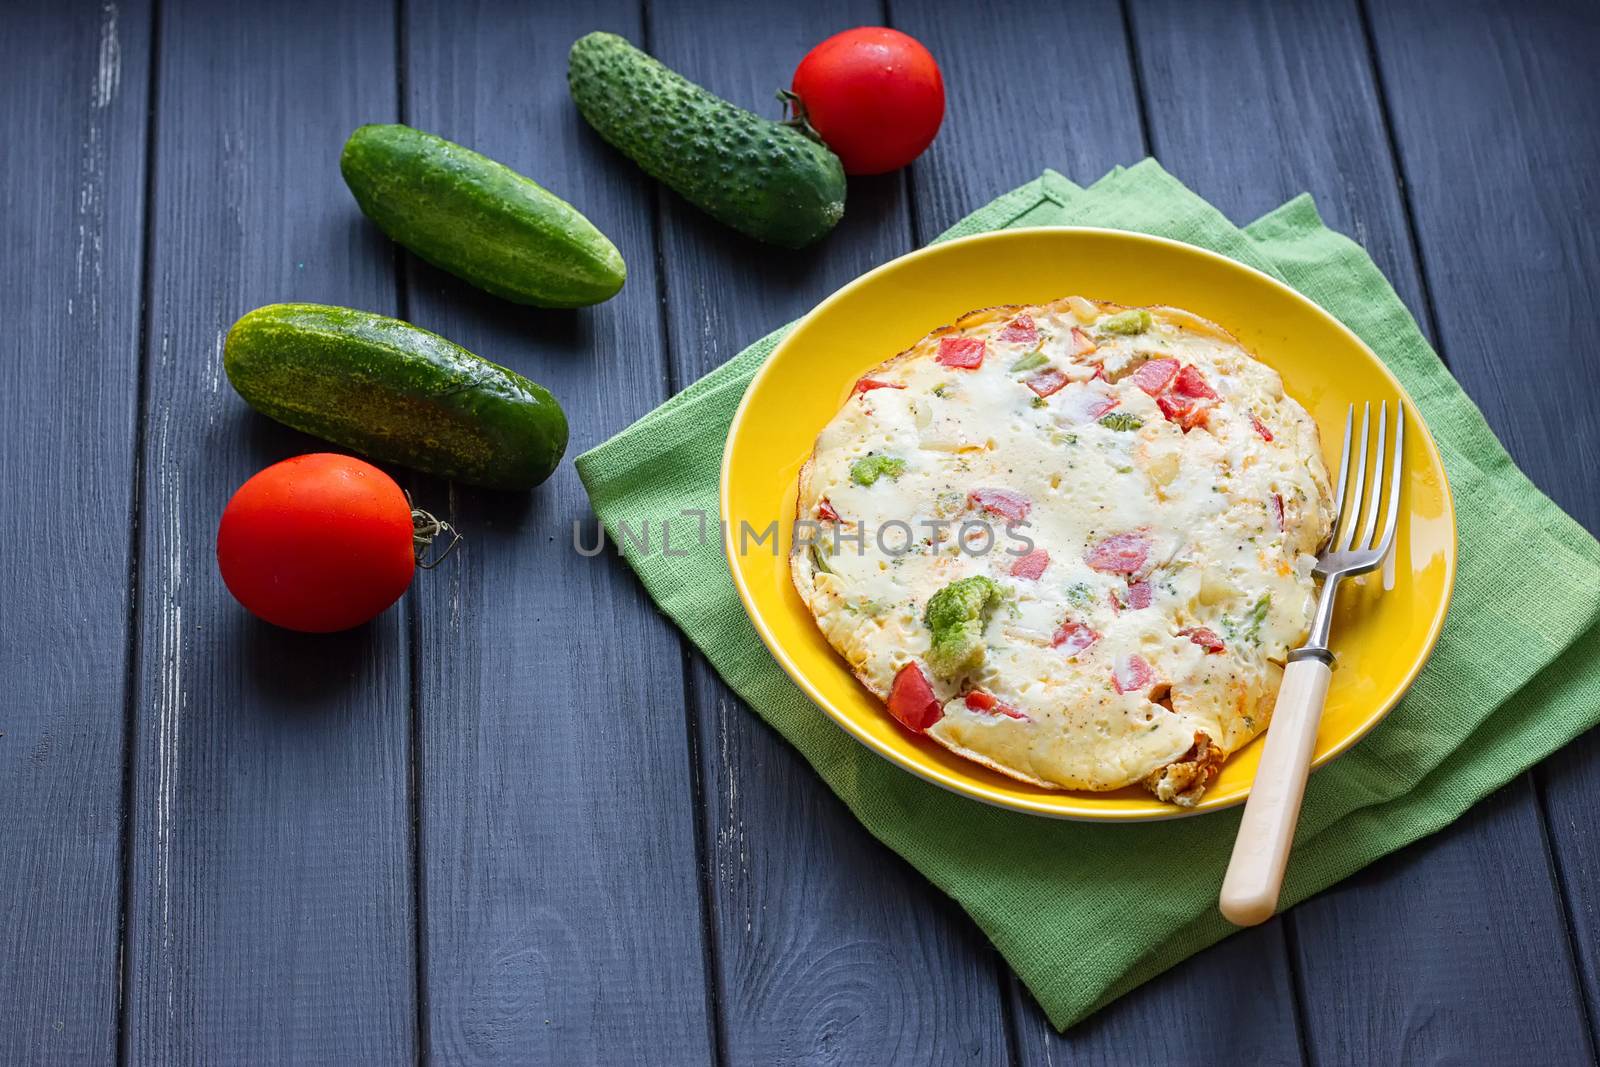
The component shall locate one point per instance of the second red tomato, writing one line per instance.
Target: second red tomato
(317, 543)
(874, 95)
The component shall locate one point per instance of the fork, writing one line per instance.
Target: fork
(1261, 849)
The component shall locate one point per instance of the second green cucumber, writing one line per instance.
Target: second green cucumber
(395, 392)
(478, 219)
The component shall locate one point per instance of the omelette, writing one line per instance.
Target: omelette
(1072, 542)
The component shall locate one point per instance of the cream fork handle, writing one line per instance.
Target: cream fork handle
(1261, 851)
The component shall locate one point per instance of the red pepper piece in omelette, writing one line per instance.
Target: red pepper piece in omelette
(1122, 553)
(911, 700)
(1154, 375)
(825, 511)
(1081, 344)
(1085, 404)
(989, 704)
(1206, 639)
(1046, 381)
(1013, 507)
(1276, 507)
(1186, 411)
(1132, 674)
(1020, 330)
(963, 353)
(1260, 427)
(1191, 383)
(1073, 637)
(867, 385)
(1032, 565)
(1188, 400)
(1140, 594)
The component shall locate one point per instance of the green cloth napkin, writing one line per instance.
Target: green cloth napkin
(1085, 912)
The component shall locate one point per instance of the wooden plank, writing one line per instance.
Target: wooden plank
(1230, 998)
(1496, 214)
(74, 79)
(563, 910)
(270, 915)
(1019, 98)
(829, 947)
(1230, 1003)
(1502, 223)
(1393, 965)
(1453, 945)
(1278, 118)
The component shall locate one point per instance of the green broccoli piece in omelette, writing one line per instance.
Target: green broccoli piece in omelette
(1033, 359)
(1121, 420)
(957, 615)
(1132, 321)
(868, 469)
(1257, 616)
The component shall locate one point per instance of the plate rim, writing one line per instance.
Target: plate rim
(961, 787)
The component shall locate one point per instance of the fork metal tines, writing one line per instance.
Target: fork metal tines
(1352, 547)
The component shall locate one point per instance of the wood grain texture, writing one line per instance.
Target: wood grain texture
(1242, 105)
(1235, 996)
(1466, 960)
(830, 948)
(1252, 103)
(1232, 1003)
(1027, 86)
(1494, 112)
(73, 81)
(270, 914)
(562, 902)
(568, 905)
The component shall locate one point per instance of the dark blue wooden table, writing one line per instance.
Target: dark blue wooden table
(514, 820)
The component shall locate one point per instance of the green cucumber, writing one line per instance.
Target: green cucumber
(765, 179)
(479, 220)
(394, 392)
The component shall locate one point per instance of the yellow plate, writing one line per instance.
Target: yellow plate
(1381, 639)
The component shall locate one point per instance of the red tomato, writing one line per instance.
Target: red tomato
(1032, 565)
(1190, 382)
(867, 385)
(317, 543)
(963, 353)
(1010, 506)
(1047, 382)
(1122, 553)
(1205, 638)
(1132, 673)
(874, 96)
(1074, 637)
(987, 703)
(1156, 374)
(911, 700)
(1187, 411)
(1020, 331)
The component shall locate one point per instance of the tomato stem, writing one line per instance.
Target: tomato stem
(424, 529)
(794, 109)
